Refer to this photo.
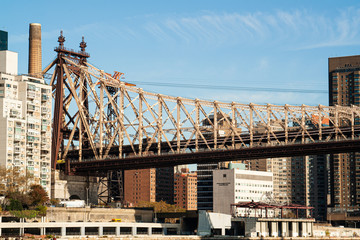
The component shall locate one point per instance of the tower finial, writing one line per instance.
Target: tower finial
(61, 39)
(83, 45)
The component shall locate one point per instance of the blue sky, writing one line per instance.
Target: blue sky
(215, 50)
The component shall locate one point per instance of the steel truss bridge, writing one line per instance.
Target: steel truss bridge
(102, 123)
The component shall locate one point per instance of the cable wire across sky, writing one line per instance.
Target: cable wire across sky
(230, 88)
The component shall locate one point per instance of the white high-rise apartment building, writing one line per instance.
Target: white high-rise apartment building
(25, 122)
(236, 185)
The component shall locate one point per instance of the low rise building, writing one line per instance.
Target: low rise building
(236, 185)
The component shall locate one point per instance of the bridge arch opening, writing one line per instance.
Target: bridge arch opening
(75, 197)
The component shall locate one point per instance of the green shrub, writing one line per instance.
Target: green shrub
(41, 210)
(25, 214)
(15, 205)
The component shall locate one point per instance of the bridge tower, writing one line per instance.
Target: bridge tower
(66, 91)
(73, 136)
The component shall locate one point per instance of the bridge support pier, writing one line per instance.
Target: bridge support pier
(82, 231)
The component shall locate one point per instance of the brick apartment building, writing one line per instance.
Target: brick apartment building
(185, 189)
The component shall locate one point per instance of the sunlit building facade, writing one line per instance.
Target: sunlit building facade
(344, 90)
(25, 122)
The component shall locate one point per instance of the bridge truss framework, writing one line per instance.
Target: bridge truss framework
(98, 116)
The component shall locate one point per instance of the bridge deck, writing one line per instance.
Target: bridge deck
(318, 148)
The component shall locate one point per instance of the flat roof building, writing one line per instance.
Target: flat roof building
(344, 90)
(139, 185)
(25, 122)
(3, 40)
(234, 185)
(185, 189)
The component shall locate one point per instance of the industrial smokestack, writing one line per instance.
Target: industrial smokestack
(35, 63)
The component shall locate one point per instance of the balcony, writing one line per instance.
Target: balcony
(19, 137)
(30, 108)
(44, 110)
(19, 125)
(44, 98)
(14, 114)
(45, 160)
(45, 149)
(30, 94)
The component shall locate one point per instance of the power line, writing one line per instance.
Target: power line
(231, 88)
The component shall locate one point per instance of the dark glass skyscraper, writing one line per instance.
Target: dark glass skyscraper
(3, 40)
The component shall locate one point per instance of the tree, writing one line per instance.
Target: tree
(14, 185)
(14, 179)
(54, 201)
(15, 205)
(41, 209)
(21, 197)
(37, 195)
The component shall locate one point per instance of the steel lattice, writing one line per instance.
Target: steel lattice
(143, 123)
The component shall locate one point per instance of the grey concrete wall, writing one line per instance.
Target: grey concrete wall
(83, 187)
(250, 226)
(77, 185)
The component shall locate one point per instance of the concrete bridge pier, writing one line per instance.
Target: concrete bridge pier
(82, 231)
(133, 230)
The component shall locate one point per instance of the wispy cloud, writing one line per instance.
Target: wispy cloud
(297, 29)
(311, 30)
